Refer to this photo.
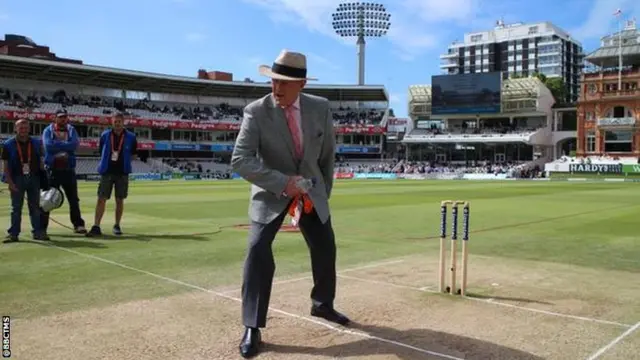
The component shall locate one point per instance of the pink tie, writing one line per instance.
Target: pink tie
(293, 128)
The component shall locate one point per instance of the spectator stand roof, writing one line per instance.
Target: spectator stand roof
(420, 94)
(521, 89)
(89, 75)
(608, 57)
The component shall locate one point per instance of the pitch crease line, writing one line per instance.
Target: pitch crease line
(282, 312)
(307, 277)
(493, 301)
(614, 342)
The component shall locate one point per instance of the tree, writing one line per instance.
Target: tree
(557, 88)
(556, 85)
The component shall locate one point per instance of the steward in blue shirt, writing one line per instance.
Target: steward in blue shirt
(61, 141)
(117, 149)
(23, 169)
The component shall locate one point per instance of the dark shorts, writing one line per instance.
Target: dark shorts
(110, 181)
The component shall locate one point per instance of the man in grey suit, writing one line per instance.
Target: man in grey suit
(286, 137)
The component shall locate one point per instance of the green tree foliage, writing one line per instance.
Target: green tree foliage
(556, 85)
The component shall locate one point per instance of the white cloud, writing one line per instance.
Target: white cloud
(194, 37)
(408, 34)
(600, 20)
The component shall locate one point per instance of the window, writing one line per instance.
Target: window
(142, 133)
(475, 38)
(591, 142)
(618, 141)
(619, 112)
(533, 30)
(96, 131)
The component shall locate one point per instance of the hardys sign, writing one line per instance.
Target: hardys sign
(596, 168)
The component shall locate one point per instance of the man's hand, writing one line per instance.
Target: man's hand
(13, 187)
(292, 190)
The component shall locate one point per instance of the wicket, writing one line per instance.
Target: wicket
(454, 246)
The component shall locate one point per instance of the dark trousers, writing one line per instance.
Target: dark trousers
(67, 182)
(259, 266)
(30, 186)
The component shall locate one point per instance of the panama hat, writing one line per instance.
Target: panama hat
(289, 65)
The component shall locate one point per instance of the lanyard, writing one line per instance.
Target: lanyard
(120, 145)
(22, 160)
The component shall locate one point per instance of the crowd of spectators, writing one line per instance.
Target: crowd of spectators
(484, 167)
(146, 109)
(209, 165)
(348, 116)
(511, 169)
(95, 105)
(345, 166)
(488, 131)
(598, 159)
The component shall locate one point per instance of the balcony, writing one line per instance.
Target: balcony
(611, 74)
(621, 93)
(617, 122)
(549, 42)
(612, 95)
(448, 64)
(420, 136)
(448, 55)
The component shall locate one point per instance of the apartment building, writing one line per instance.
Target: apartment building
(518, 50)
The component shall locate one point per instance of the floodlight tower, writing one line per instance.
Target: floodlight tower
(360, 20)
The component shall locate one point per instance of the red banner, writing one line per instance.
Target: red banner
(95, 143)
(173, 124)
(133, 122)
(360, 129)
(343, 175)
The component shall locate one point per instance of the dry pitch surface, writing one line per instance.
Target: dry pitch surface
(518, 310)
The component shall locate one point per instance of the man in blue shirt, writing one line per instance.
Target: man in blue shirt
(61, 141)
(118, 146)
(23, 169)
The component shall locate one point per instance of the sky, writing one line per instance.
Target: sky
(179, 37)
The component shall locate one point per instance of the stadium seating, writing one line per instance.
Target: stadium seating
(103, 106)
(365, 166)
(87, 165)
(197, 165)
(484, 133)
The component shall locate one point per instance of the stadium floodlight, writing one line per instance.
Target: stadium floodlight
(360, 20)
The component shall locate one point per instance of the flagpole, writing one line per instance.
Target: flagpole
(619, 52)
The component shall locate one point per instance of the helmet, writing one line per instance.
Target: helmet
(51, 199)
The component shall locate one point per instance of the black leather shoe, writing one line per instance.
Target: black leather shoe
(330, 314)
(250, 344)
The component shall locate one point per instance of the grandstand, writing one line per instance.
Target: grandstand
(521, 132)
(183, 124)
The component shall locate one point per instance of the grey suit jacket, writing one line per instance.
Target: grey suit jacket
(264, 155)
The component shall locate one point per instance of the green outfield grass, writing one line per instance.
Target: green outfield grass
(180, 229)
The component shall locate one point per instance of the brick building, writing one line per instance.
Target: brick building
(609, 104)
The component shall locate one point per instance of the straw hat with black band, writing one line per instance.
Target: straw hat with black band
(288, 66)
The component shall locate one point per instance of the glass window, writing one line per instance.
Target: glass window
(591, 141)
